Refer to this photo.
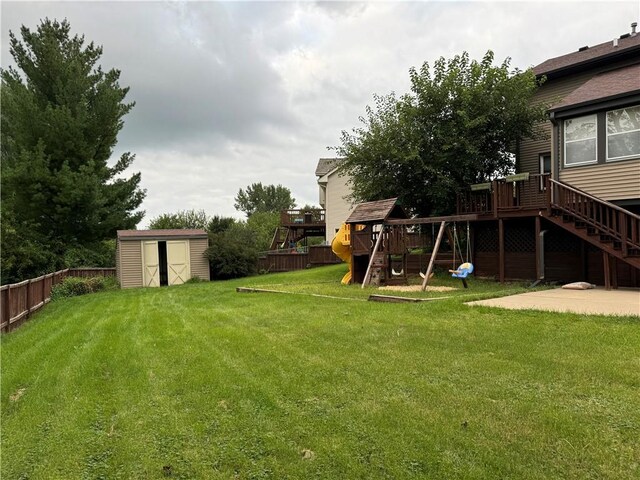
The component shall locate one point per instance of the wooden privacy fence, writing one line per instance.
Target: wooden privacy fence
(286, 262)
(20, 300)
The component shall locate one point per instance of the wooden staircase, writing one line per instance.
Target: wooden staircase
(280, 236)
(609, 227)
(283, 236)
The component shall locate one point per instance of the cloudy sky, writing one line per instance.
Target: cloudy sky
(228, 94)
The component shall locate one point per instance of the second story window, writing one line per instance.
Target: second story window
(580, 140)
(623, 133)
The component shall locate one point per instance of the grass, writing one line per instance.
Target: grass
(198, 381)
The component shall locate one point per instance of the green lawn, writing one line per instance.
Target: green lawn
(199, 381)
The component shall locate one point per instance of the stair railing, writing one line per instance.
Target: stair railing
(608, 219)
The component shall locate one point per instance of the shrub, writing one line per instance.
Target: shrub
(98, 254)
(232, 253)
(195, 280)
(74, 286)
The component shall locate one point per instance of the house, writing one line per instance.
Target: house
(593, 132)
(571, 211)
(334, 191)
(154, 258)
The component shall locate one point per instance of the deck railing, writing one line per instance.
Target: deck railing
(475, 202)
(505, 195)
(302, 217)
(606, 218)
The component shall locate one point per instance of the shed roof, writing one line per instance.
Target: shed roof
(161, 233)
(325, 165)
(612, 84)
(377, 211)
(597, 53)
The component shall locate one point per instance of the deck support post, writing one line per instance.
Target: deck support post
(613, 262)
(584, 260)
(606, 270)
(539, 266)
(501, 250)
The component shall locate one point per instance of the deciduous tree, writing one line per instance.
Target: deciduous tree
(458, 126)
(263, 198)
(181, 219)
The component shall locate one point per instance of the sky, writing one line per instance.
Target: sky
(233, 93)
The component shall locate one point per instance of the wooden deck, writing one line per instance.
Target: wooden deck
(608, 227)
(507, 198)
(302, 218)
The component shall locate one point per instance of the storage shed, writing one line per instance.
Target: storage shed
(154, 258)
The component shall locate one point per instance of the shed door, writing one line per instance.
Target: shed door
(178, 269)
(150, 264)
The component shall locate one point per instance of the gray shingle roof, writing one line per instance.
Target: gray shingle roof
(606, 85)
(377, 211)
(325, 165)
(160, 233)
(591, 54)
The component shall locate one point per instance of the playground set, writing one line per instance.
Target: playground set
(382, 245)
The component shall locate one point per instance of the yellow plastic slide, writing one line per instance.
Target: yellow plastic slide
(341, 246)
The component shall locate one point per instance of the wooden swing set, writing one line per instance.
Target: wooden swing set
(462, 272)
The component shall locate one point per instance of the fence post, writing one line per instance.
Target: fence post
(8, 307)
(29, 298)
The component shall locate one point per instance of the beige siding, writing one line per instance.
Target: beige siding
(118, 260)
(622, 179)
(322, 197)
(199, 263)
(130, 263)
(552, 92)
(337, 208)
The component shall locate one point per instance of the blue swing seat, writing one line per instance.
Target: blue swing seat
(463, 270)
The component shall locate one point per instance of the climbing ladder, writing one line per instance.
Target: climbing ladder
(376, 262)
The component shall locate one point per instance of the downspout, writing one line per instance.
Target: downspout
(555, 151)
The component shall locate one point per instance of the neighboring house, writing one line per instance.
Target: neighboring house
(594, 130)
(334, 190)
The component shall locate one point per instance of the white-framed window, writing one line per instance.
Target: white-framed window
(580, 140)
(545, 167)
(623, 133)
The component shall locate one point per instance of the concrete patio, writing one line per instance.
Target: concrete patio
(595, 301)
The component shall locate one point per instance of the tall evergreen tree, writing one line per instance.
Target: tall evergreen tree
(61, 114)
